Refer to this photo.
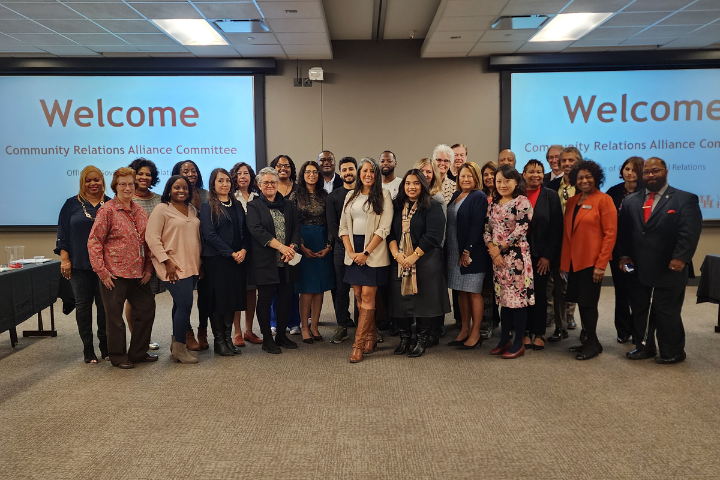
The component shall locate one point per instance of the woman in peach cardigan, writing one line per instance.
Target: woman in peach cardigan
(590, 229)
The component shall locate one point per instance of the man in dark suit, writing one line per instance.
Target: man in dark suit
(553, 158)
(331, 180)
(658, 232)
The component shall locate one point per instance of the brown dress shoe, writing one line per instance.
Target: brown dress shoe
(190, 341)
(202, 339)
(252, 338)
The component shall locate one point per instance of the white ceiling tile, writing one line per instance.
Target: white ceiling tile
(708, 31)
(21, 26)
(236, 11)
(349, 19)
(459, 47)
(19, 49)
(112, 48)
(596, 6)
(7, 14)
(544, 47)
(148, 39)
(259, 50)
(613, 32)
(129, 26)
(301, 25)
(304, 9)
(691, 42)
(444, 55)
(692, 18)
(677, 31)
(633, 48)
(533, 7)
(448, 24)
(657, 5)
(584, 49)
(465, 36)
(71, 51)
(40, 39)
(326, 56)
(647, 41)
(489, 48)
(635, 19)
(307, 49)
(251, 38)
(213, 51)
(44, 11)
(108, 11)
(507, 35)
(302, 38)
(705, 5)
(71, 26)
(404, 16)
(464, 8)
(597, 42)
(162, 48)
(167, 10)
(95, 39)
(9, 41)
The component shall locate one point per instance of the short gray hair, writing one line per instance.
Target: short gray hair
(444, 148)
(267, 171)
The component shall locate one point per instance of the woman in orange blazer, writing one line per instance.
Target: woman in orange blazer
(589, 233)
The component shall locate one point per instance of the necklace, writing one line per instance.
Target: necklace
(102, 202)
(148, 195)
(227, 205)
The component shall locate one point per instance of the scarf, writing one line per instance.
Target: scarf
(278, 203)
(409, 277)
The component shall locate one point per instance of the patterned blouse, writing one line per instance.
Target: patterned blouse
(448, 189)
(312, 213)
(279, 223)
(117, 241)
(148, 204)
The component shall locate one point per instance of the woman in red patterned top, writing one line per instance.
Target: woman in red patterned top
(120, 257)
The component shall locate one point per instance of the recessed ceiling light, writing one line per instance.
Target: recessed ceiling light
(519, 22)
(290, 11)
(253, 25)
(191, 31)
(569, 27)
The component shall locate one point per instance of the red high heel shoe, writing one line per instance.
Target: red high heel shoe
(517, 354)
(501, 350)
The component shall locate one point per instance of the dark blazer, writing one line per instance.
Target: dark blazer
(263, 258)
(471, 217)
(337, 182)
(427, 227)
(218, 238)
(546, 179)
(333, 211)
(546, 227)
(617, 193)
(554, 184)
(672, 232)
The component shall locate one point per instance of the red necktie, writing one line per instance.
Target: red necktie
(647, 207)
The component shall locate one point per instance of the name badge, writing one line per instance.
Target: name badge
(587, 207)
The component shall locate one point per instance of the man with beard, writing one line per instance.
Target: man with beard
(388, 162)
(333, 211)
(331, 180)
(658, 232)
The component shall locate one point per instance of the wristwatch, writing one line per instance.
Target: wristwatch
(366, 253)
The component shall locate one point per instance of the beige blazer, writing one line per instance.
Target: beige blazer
(376, 225)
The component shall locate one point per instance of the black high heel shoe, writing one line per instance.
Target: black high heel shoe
(89, 355)
(535, 346)
(457, 343)
(470, 347)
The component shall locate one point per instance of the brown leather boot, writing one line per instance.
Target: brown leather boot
(371, 339)
(202, 339)
(190, 341)
(360, 337)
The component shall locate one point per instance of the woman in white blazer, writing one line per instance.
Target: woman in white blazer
(364, 223)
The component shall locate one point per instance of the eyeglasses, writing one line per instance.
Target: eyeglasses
(268, 184)
(556, 157)
(312, 173)
(280, 166)
(440, 160)
(124, 185)
(654, 171)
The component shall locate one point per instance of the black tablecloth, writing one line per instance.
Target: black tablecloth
(709, 286)
(27, 291)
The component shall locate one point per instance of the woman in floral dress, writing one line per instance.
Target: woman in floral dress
(508, 219)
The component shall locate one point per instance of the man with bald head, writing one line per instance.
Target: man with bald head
(658, 232)
(506, 157)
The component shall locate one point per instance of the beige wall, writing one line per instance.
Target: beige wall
(377, 96)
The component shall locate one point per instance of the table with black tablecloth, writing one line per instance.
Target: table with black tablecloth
(25, 292)
(709, 286)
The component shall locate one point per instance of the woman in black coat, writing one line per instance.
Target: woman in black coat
(274, 226)
(545, 239)
(225, 246)
(417, 280)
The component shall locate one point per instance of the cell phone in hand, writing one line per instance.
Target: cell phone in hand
(629, 268)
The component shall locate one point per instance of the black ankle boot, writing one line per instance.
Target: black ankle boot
(218, 327)
(227, 335)
(403, 326)
(221, 347)
(424, 326)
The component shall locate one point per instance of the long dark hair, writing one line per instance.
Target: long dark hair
(293, 173)
(302, 194)
(168, 188)
(375, 199)
(234, 173)
(215, 208)
(138, 163)
(423, 200)
(509, 173)
(176, 171)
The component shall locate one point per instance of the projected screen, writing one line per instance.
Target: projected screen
(610, 116)
(54, 126)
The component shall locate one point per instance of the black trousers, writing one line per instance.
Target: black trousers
(623, 316)
(341, 297)
(86, 291)
(589, 316)
(202, 303)
(537, 314)
(284, 304)
(657, 311)
(456, 307)
(143, 312)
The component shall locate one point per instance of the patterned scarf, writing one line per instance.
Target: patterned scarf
(409, 277)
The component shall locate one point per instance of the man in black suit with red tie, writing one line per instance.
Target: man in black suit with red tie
(658, 231)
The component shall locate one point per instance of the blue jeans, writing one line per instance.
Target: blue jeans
(86, 289)
(182, 295)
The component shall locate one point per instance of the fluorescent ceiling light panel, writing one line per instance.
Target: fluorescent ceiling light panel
(191, 31)
(242, 26)
(569, 26)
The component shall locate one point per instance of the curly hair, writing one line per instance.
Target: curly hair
(509, 173)
(252, 187)
(138, 163)
(293, 173)
(593, 167)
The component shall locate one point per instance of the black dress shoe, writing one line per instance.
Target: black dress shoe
(577, 348)
(309, 341)
(126, 365)
(470, 347)
(640, 354)
(285, 342)
(670, 360)
(583, 336)
(623, 339)
(146, 358)
(271, 347)
(457, 343)
(558, 335)
(587, 355)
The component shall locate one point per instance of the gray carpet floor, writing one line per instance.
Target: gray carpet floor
(309, 414)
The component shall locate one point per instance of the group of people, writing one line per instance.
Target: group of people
(534, 245)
